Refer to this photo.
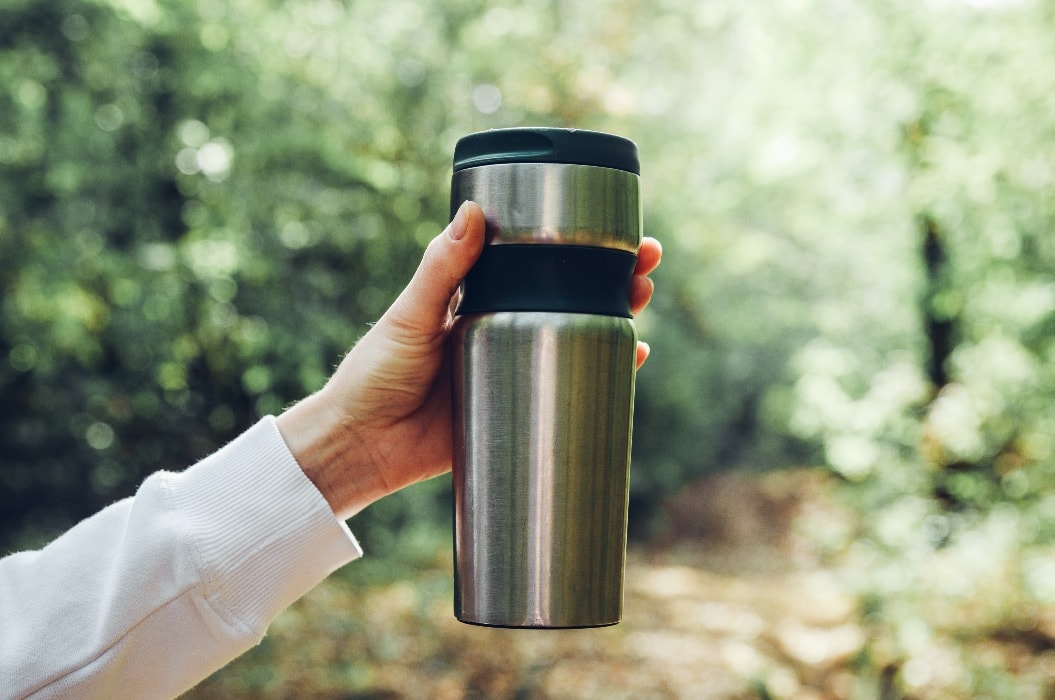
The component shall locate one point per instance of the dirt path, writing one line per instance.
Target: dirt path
(743, 610)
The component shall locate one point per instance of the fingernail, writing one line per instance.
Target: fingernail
(457, 228)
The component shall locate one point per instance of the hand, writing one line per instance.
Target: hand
(383, 420)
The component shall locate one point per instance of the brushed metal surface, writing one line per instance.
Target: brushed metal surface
(554, 203)
(542, 407)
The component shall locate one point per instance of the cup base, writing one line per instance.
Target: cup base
(477, 623)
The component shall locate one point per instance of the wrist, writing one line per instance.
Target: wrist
(323, 441)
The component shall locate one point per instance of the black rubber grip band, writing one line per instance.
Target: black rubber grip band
(542, 277)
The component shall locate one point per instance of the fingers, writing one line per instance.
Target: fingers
(641, 289)
(643, 351)
(423, 307)
(421, 311)
(648, 256)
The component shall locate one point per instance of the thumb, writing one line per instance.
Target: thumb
(421, 310)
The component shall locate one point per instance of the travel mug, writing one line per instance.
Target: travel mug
(543, 363)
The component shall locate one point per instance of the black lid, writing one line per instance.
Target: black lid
(546, 145)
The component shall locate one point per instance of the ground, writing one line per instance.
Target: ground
(736, 601)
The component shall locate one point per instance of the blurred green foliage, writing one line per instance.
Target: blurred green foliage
(192, 236)
(203, 204)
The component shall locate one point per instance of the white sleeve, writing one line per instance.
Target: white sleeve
(154, 593)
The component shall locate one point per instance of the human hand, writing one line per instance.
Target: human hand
(383, 421)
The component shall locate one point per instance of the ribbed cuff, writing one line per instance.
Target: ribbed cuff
(264, 534)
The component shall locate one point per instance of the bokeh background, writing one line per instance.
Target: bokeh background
(844, 451)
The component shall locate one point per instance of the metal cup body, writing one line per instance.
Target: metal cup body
(542, 414)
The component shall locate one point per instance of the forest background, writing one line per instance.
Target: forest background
(204, 204)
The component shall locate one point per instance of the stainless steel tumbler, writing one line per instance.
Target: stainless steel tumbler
(543, 364)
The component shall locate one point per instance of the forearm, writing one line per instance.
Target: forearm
(154, 593)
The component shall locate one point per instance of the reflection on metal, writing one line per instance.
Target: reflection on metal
(554, 203)
(543, 408)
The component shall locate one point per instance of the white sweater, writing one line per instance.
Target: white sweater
(154, 593)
